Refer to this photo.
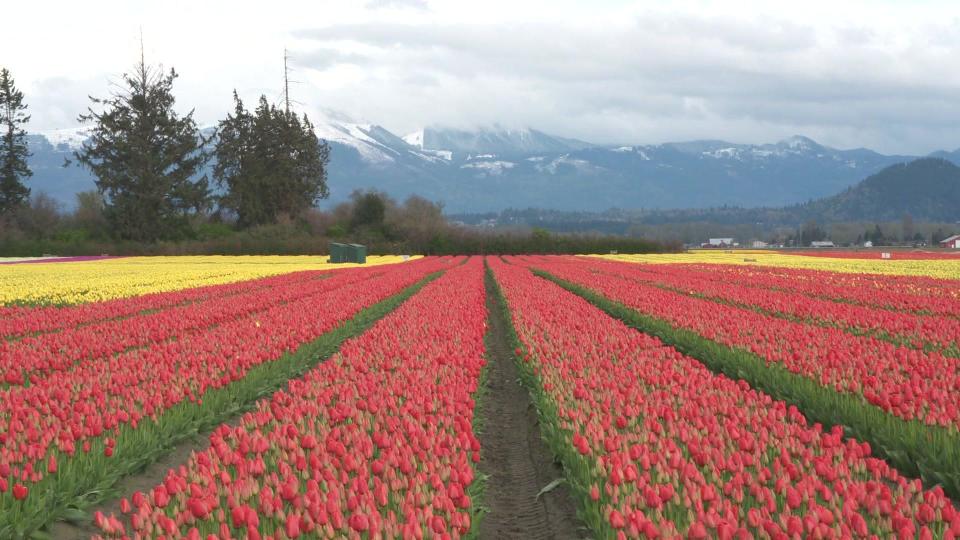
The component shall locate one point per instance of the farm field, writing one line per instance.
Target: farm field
(936, 265)
(68, 282)
(686, 396)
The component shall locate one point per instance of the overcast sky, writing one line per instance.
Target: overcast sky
(879, 74)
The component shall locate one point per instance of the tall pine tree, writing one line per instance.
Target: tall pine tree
(13, 146)
(270, 162)
(146, 158)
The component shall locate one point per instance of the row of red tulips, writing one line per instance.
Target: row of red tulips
(49, 428)
(934, 331)
(19, 321)
(920, 295)
(657, 445)
(906, 382)
(846, 286)
(33, 357)
(377, 442)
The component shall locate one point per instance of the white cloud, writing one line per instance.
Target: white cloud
(860, 73)
(416, 4)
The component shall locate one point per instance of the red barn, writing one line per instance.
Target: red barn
(951, 243)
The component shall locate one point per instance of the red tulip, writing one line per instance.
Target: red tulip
(698, 445)
(292, 526)
(198, 508)
(344, 423)
(616, 520)
(755, 312)
(697, 531)
(438, 525)
(308, 442)
(160, 496)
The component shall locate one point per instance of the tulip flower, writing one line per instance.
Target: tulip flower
(124, 372)
(708, 456)
(134, 283)
(908, 382)
(353, 446)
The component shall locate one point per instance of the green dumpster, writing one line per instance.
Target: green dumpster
(358, 253)
(338, 252)
(348, 253)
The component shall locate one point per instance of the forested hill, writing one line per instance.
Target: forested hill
(927, 189)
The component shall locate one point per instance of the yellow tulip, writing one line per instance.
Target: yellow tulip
(938, 268)
(94, 281)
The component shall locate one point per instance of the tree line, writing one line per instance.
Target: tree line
(249, 186)
(150, 163)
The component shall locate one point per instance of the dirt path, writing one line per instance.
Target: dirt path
(518, 462)
(516, 459)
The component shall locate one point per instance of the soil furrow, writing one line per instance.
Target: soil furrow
(514, 456)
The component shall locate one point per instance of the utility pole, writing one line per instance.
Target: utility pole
(287, 102)
(286, 82)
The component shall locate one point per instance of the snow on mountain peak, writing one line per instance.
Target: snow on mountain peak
(799, 142)
(361, 137)
(415, 138)
(72, 137)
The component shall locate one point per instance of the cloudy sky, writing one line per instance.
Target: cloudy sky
(882, 74)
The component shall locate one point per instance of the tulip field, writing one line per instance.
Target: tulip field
(44, 284)
(938, 265)
(658, 444)
(685, 396)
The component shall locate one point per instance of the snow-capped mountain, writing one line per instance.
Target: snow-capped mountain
(71, 138)
(366, 139)
(496, 140)
(497, 168)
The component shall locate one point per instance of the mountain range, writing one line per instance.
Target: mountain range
(927, 189)
(495, 168)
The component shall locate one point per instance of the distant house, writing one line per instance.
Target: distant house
(951, 243)
(759, 244)
(822, 244)
(720, 242)
(868, 244)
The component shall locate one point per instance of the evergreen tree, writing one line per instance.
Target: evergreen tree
(369, 210)
(906, 226)
(937, 236)
(811, 232)
(234, 163)
(271, 163)
(13, 146)
(146, 158)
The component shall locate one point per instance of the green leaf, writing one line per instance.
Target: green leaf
(550, 487)
(75, 516)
